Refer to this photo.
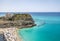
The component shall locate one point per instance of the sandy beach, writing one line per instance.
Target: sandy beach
(11, 34)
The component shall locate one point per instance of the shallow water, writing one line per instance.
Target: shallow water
(50, 31)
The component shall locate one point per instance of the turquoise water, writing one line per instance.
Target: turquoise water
(50, 31)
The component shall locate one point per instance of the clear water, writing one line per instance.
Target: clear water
(50, 31)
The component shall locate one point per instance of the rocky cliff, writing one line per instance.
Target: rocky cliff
(19, 20)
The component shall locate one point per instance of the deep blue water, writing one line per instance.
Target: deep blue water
(50, 31)
(36, 13)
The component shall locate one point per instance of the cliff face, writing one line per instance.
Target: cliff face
(24, 20)
(21, 17)
(21, 20)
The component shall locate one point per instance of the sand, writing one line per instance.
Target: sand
(11, 34)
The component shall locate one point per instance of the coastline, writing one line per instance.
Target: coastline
(11, 33)
(10, 24)
(19, 38)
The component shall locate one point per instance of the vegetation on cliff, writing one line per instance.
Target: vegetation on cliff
(21, 17)
(22, 20)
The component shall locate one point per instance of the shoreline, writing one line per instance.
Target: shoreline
(9, 24)
(11, 33)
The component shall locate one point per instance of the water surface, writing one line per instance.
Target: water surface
(50, 31)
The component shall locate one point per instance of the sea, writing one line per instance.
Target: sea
(49, 31)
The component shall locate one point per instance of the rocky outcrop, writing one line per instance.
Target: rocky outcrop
(19, 20)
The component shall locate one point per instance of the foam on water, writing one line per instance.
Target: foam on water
(47, 32)
(50, 31)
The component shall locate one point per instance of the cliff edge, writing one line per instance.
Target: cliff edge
(19, 20)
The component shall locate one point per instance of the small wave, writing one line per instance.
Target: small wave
(41, 23)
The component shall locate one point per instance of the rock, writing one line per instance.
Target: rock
(20, 20)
